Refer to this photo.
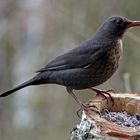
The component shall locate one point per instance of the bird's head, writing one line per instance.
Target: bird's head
(116, 26)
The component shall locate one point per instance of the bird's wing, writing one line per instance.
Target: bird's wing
(80, 57)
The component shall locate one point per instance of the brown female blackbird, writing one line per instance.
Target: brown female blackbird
(89, 64)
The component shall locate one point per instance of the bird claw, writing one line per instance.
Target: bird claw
(87, 108)
(107, 93)
(104, 93)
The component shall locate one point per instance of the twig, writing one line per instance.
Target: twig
(133, 37)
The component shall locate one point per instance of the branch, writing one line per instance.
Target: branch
(133, 37)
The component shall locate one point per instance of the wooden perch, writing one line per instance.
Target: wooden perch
(93, 126)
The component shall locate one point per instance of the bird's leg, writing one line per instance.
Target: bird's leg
(70, 91)
(102, 93)
(84, 107)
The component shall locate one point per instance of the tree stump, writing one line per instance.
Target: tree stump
(93, 126)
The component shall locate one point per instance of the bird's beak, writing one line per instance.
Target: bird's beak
(133, 23)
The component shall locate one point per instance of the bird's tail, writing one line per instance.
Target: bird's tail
(25, 84)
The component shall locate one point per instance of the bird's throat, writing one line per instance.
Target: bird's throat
(120, 45)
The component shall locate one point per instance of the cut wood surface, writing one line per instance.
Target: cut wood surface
(101, 128)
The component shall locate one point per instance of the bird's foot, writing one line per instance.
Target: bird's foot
(104, 93)
(87, 108)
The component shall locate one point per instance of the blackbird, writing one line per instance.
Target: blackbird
(89, 64)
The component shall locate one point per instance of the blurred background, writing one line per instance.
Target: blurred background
(34, 31)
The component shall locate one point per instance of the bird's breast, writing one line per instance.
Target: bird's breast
(110, 62)
(119, 50)
(115, 51)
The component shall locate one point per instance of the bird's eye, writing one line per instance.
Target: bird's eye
(119, 22)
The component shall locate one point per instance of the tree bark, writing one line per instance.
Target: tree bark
(95, 127)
